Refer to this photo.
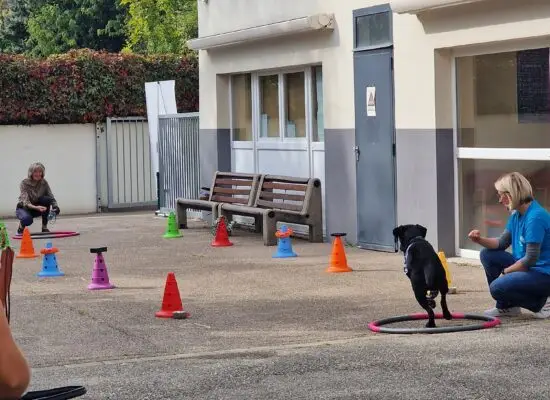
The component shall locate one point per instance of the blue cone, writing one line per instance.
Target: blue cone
(284, 246)
(49, 264)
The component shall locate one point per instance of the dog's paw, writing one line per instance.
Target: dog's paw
(447, 315)
(430, 324)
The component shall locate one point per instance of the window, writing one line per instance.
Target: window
(318, 116)
(533, 70)
(478, 204)
(241, 90)
(373, 30)
(269, 106)
(503, 103)
(295, 105)
(504, 100)
(286, 106)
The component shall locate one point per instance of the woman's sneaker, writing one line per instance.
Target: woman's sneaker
(545, 311)
(20, 229)
(503, 312)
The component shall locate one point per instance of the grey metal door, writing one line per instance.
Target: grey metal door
(375, 149)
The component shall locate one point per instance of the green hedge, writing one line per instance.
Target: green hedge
(87, 86)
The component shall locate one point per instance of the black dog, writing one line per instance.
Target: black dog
(424, 269)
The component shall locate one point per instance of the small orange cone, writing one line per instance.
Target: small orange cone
(27, 248)
(171, 302)
(338, 260)
(222, 238)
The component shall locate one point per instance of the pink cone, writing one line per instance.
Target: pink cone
(100, 276)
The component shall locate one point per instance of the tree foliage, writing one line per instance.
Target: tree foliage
(45, 27)
(59, 26)
(87, 86)
(161, 26)
(13, 29)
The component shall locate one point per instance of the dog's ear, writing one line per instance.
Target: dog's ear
(422, 230)
(396, 236)
(397, 232)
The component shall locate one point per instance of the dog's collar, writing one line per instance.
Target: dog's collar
(412, 241)
(406, 255)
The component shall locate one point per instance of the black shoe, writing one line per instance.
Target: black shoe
(20, 230)
(45, 230)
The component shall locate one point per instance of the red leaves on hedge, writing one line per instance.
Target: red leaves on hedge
(86, 86)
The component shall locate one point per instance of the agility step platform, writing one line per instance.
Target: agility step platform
(98, 250)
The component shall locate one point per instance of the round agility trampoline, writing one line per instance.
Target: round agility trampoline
(49, 235)
(379, 326)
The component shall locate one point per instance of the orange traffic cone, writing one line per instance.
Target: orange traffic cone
(27, 248)
(338, 260)
(222, 238)
(171, 302)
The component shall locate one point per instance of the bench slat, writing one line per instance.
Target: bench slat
(235, 182)
(231, 191)
(284, 186)
(225, 199)
(279, 206)
(283, 196)
(287, 179)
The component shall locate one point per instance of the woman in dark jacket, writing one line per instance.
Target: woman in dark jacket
(36, 199)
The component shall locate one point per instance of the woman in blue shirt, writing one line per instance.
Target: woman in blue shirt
(521, 279)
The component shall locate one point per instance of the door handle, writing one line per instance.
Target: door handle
(357, 153)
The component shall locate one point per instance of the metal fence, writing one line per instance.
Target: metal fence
(125, 176)
(179, 169)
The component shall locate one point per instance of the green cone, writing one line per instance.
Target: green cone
(172, 229)
(4, 237)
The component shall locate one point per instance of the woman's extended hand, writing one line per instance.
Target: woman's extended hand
(474, 236)
(41, 208)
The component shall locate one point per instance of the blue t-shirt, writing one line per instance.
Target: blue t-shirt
(532, 227)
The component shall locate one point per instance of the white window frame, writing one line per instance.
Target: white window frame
(281, 142)
(480, 153)
(282, 97)
(318, 145)
(239, 144)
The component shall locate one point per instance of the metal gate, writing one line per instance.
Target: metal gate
(124, 174)
(179, 169)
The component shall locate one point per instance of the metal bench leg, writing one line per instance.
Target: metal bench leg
(181, 214)
(316, 233)
(228, 216)
(258, 224)
(269, 229)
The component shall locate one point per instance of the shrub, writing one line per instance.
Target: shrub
(85, 86)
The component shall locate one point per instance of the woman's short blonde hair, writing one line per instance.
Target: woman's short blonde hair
(516, 187)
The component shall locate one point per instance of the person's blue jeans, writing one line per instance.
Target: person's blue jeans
(528, 290)
(26, 216)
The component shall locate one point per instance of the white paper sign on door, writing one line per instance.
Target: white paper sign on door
(371, 101)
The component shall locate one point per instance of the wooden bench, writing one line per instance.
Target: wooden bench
(283, 199)
(227, 187)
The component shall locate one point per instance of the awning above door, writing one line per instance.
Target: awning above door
(418, 6)
(317, 22)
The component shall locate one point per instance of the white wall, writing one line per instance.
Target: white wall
(67, 151)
